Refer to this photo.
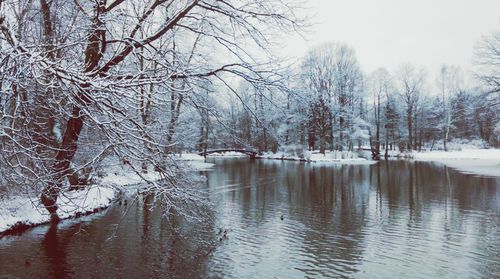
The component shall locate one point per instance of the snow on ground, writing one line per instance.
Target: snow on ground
(307, 156)
(338, 157)
(227, 154)
(191, 157)
(473, 161)
(28, 210)
(196, 161)
(125, 175)
(334, 159)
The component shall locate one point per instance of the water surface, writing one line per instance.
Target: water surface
(286, 220)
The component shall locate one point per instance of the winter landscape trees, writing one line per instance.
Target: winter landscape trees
(84, 80)
(84, 83)
(330, 104)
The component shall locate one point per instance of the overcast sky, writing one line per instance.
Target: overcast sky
(388, 32)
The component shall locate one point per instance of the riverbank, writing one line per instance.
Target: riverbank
(18, 213)
(21, 212)
(336, 157)
(471, 161)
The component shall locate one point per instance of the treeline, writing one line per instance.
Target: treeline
(330, 104)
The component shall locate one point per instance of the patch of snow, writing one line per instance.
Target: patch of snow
(196, 161)
(200, 165)
(473, 154)
(473, 161)
(29, 211)
(85, 200)
(337, 157)
(124, 175)
(191, 157)
(227, 154)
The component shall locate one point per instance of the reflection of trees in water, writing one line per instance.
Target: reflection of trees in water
(55, 248)
(331, 202)
(420, 184)
(251, 186)
(172, 244)
(328, 223)
(440, 202)
(146, 244)
(337, 198)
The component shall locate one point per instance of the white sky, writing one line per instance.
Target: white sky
(386, 33)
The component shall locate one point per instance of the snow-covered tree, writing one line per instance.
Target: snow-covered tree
(120, 71)
(410, 84)
(379, 86)
(450, 83)
(334, 83)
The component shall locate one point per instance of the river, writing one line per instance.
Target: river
(395, 219)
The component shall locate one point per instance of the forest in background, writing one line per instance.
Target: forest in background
(329, 103)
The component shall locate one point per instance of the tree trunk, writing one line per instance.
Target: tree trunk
(62, 163)
(386, 155)
(175, 113)
(410, 130)
(341, 133)
(61, 167)
(446, 133)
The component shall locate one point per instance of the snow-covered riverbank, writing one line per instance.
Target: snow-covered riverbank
(292, 154)
(336, 157)
(26, 211)
(472, 161)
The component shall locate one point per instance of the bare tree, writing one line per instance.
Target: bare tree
(410, 83)
(379, 86)
(488, 61)
(87, 61)
(319, 76)
(334, 81)
(450, 83)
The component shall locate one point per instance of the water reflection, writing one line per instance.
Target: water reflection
(287, 220)
(356, 220)
(55, 249)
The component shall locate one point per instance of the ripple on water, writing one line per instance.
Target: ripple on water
(397, 220)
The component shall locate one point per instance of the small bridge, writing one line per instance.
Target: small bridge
(250, 152)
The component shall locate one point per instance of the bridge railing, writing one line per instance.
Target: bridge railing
(224, 150)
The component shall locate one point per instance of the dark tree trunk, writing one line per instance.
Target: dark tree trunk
(174, 117)
(376, 149)
(69, 144)
(62, 162)
(386, 155)
(410, 131)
